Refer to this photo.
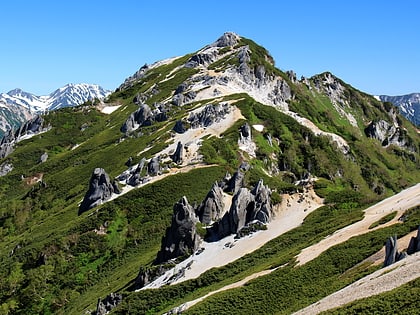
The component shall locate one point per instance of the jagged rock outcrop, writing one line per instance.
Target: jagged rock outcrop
(391, 252)
(179, 153)
(211, 208)
(100, 190)
(144, 116)
(247, 206)
(5, 168)
(43, 158)
(183, 98)
(236, 181)
(209, 115)
(181, 237)
(179, 127)
(106, 305)
(30, 127)
(388, 134)
(147, 275)
(134, 178)
(153, 167)
(414, 245)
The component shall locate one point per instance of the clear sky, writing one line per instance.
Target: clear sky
(371, 44)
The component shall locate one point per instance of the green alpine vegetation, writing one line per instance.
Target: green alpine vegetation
(316, 133)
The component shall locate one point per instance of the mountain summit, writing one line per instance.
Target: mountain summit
(200, 173)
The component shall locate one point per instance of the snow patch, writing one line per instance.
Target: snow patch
(110, 109)
(259, 128)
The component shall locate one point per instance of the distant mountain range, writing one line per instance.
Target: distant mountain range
(17, 106)
(409, 105)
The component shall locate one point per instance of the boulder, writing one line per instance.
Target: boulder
(5, 168)
(181, 237)
(106, 305)
(43, 158)
(245, 131)
(135, 177)
(179, 127)
(211, 208)
(100, 190)
(179, 153)
(141, 117)
(153, 167)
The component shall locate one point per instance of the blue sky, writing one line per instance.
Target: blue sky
(372, 45)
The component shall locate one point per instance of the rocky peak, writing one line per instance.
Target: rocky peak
(211, 208)
(181, 237)
(226, 40)
(100, 190)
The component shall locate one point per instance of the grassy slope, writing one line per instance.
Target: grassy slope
(81, 266)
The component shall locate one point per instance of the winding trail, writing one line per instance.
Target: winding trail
(400, 202)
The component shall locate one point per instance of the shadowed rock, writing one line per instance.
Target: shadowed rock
(212, 206)
(209, 115)
(153, 168)
(179, 127)
(106, 305)
(247, 206)
(179, 153)
(414, 245)
(391, 252)
(100, 190)
(181, 237)
(144, 116)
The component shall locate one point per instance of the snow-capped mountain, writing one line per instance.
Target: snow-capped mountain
(16, 106)
(409, 105)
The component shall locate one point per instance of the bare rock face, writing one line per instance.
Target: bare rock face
(388, 134)
(100, 190)
(181, 237)
(212, 206)
(262, 211)
(147, 275)
(226, 40)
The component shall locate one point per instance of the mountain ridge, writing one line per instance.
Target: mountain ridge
(222, 119)
(17, 106)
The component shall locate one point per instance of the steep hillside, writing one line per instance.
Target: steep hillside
(217, 153)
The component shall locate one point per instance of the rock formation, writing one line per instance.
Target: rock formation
(43, 158)
(106, 305)
(247, 206)
(100, 190)
(179, 153)
(153, 167)
(181, 237)
(147, 275)
(389, 134)
(30, 127)
(391, 252)
(414, 245)
(144, 116)
(5, 168)
(134, 178)
(209, 115)
(179, 127)
(211, 208)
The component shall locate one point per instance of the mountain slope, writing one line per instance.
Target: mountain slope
(92, 217)
(409, 105)
(17, 106)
